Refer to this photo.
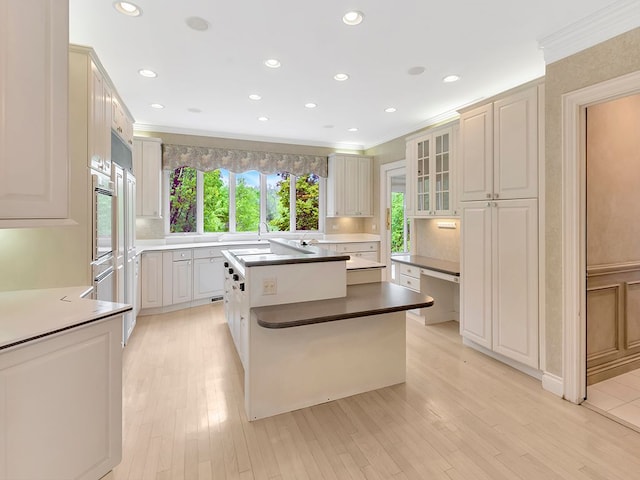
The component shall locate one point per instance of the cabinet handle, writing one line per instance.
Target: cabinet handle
(488, 195)
(496, 196)
(488, 204)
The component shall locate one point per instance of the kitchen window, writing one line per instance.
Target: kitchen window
(220, 201)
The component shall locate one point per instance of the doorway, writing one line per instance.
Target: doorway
(395, 229)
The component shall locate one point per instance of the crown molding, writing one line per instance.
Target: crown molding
(613, 20)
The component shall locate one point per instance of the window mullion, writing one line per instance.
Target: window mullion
(292, 203)
(232, 202)
(199, 202)
(263, 200)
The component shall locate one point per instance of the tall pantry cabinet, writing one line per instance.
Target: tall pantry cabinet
(499, 157)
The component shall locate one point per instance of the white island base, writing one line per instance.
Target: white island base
(292, 368)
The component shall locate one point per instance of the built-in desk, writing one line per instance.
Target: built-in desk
(437, 278)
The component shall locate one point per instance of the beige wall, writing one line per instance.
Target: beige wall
(610, 59)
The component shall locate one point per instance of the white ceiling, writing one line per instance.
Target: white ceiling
(492, 45)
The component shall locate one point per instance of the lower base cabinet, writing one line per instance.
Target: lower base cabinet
(61, 404)
(499, 277)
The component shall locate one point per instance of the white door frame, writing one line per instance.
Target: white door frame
(385, 248)
(574, 107)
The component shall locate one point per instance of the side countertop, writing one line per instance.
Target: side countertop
(361, 300)
(31, 314)
(443, 266)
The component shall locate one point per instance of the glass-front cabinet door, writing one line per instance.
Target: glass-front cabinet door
(430, 160)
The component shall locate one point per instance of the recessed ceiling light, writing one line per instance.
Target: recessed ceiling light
(147, 73)
(128, 8)
(451, 78)
(416, 70)
(390, 109)
(310, 105)
(353, 17)
(352, 129)
(255, 96)
(197, 23)
(341, 77)
(263, 119)
(272, 63)
(158, 106)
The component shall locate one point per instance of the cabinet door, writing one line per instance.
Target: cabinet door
(130, 212)
(335, 186)
(97, 127)
(475, 263)
(422, 175)
(476, 154)
(34, 160)
(365, 202)
(182, 281)
(151, 179)
(151, 280)
(516, 146)
(441, 178)
(208, 277)
(515, 280)
(351, 186)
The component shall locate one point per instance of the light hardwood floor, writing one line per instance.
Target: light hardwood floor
(460, 415)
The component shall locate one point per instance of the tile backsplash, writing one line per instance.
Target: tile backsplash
(433, 241)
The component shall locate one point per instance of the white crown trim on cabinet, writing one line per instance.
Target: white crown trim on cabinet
(613, 20)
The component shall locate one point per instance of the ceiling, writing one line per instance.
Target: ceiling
(205, 77)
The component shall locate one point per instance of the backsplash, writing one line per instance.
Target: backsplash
(149, 228)
(432, 241)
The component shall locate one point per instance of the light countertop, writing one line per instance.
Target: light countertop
(31, 314)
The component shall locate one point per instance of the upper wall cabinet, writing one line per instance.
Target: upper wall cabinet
(349, 192)
(147, 164)
(499, 148)
(34, 160)
(431, 168)
(121, 121)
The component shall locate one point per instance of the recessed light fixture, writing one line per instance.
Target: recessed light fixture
(416, 70)
(352, 129)
(255, 96)
(341, 77)
(353, 17)
(263, 119)
(128, 8)
(272, 63)
(390, 109)
(451, 78)
(197, 23)
(157, 106)
(147, 73)
(310, 105)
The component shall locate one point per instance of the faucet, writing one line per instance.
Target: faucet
(266, 229)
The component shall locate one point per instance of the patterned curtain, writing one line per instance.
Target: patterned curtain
(238, 161)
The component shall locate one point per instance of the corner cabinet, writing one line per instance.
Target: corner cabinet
(34, 92)
(499, 148)
(147, 161)
(349, 186)
(431, 169)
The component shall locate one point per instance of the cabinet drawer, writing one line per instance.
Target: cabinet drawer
(183, 254)
(207, 252)
(409, 270)
(357, 247)
(411, 283)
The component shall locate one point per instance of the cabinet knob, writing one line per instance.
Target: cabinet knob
(496, 196)
(488, 195)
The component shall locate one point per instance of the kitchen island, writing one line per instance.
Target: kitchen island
(320, 339)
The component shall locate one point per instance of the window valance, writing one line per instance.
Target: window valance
(238, 161)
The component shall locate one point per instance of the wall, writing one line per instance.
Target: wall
(431, 241)
(610, 59)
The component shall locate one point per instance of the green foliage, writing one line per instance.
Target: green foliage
(397, 222)
(216, 201)
(182, 200)
(307, 203)
(247, 206)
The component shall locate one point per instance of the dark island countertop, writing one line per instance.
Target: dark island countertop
(436, 264)
(361, 301)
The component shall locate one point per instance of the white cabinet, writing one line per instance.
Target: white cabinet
(121, 122)
(349, 192)
(409, 277)
(366, 250)
(34, 159)
(151, 280)
(147, 161)
(499, 148)
(499, 266)
(181, 276)
(208, 273)
(431, 167)
(61, 408)
(99, 141)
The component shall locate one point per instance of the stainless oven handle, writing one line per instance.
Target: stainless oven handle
(103, 275)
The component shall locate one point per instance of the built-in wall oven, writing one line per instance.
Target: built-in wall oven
(102, 241)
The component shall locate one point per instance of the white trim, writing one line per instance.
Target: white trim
(574, 106)
(552, 383)
(385, 254)
(542, 255)
(615, 19)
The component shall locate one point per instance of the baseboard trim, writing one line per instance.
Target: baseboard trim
(532, 372)
(179, 306)
(553, 383)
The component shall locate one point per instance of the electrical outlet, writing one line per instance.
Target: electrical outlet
(269, 286)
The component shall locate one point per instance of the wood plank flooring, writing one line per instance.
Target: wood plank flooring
(460, 415)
